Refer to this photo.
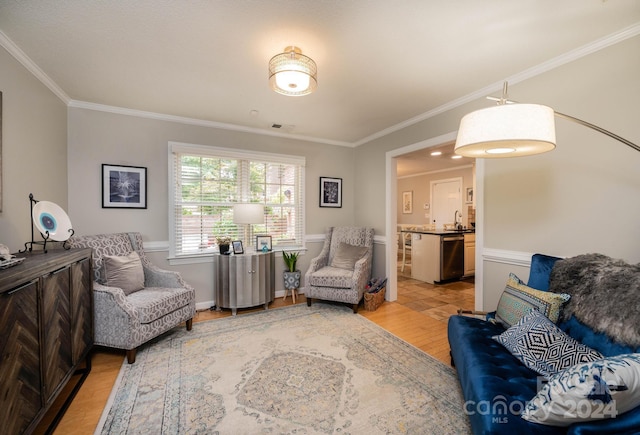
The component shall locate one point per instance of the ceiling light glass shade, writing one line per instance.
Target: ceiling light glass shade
(248, 213)
(292, 73)
(507, 130)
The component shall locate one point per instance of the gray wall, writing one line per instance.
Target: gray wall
(582, 197)
(34, 149)
(97, 137)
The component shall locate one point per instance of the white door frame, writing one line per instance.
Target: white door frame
(391, 178)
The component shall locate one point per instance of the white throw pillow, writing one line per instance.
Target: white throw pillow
(589, 391)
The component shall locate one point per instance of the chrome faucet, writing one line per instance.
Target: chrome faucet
(457, 224)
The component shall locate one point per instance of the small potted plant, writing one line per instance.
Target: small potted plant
(223, 243)
(291, 275)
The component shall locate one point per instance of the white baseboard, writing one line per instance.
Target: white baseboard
(208, 304)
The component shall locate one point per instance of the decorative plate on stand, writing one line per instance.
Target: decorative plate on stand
(50, 217)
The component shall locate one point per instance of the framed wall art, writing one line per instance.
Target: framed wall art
(469, 199)
(330, 192)
(263, 243)
(407, 202)
(124, 186)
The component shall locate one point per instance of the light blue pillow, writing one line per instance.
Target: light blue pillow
(543, 347)
(590, 391)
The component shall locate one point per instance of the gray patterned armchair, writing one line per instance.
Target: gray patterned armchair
(343, 268)
(134, 301)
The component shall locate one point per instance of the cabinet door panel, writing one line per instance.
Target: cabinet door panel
(20, 381)
(81, 310)
(56, 323)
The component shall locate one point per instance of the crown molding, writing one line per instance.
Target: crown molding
(31, 66)
(592, 47)
(199, 122)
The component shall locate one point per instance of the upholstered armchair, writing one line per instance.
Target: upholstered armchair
(134, 301)
(341, 272)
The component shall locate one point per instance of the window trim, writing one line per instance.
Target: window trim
(215, 151)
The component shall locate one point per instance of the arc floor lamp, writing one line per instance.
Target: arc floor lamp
(513, 129)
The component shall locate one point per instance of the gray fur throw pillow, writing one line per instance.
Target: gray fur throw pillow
(605, 294)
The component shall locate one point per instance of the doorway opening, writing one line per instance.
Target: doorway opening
(468, 197)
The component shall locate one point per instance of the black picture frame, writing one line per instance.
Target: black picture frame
(330, 192)
(237, 247)
(263, 241)
(124, 186)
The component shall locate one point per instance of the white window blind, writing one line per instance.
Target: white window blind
(205, 183)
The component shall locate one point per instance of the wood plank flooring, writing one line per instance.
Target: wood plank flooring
(419, 316)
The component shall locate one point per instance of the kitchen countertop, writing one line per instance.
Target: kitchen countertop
(441, 232)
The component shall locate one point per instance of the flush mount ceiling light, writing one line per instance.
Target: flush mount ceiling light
(512, 129)
(292, 73)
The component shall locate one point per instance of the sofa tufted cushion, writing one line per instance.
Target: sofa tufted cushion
(596, 390)
(542, 346)
(491, 379)
(518, 299)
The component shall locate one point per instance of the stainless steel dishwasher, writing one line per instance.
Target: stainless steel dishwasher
(451, 257)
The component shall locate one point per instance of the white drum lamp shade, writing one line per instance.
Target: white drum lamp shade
(507, 130)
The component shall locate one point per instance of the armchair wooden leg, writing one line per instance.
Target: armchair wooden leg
(355, 308)
(308, 302)
(189, 324)
(131, 356)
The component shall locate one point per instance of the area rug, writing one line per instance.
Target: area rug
(294, 370)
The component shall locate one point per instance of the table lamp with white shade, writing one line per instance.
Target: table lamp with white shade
(247, 214)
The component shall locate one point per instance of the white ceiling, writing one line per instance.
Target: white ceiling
(382, 64)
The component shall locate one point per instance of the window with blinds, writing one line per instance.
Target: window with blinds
(206, 182)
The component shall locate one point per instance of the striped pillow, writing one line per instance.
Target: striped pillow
(518, 299)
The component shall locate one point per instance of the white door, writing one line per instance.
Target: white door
(446, 198)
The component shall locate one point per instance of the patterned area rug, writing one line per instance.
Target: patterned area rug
(289, 370)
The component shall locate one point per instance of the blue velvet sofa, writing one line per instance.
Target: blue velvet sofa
(495, 384)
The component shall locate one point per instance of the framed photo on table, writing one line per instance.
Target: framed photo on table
(124, 186)
(330, 192)
(237, 247)
(263, 243)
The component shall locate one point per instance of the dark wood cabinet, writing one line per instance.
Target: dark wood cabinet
(46, 332)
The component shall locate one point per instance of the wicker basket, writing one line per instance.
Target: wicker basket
(373, 300)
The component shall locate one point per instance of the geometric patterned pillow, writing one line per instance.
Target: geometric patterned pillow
(543, 347)
(585, 392)
(518, 299)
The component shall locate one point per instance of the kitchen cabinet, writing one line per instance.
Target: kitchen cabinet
(46, 332)
(425, 257)
(469, 254)
(245, 280)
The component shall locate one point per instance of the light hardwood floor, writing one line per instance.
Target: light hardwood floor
(419, 316)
